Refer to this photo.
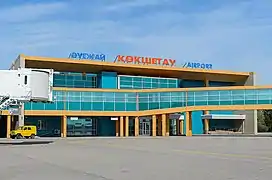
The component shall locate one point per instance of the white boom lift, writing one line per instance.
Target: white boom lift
(25, 85)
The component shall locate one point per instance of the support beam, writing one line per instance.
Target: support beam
(121, 123)
(127, 126)
(21, 120)
(136, 126)
(8, 126)
(159, 125)
(255, 122)
(188, 117)
(64, 126)
(181, 127)
(154, 125)
(243, 126)
(167, 126)
(206, 123)
(117, 128)
(163, 123)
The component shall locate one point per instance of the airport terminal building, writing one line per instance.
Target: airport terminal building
(139, 96)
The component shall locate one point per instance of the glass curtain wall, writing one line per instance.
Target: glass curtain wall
(139, 82)
(49, 126)
(74, 80)
(132, 101)
(81, 126)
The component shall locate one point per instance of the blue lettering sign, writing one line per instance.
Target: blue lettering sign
(195, 65)
(189, 65)
(91, 56)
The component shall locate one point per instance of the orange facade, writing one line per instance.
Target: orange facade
(142, 66)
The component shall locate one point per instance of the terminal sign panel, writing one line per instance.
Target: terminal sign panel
(145, 60)
(196, 65)
(90, 56)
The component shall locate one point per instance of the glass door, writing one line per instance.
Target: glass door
(145, 127)
(173, 127)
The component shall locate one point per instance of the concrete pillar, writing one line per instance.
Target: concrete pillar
(181, 127)
(255, 122)
(21, 119)
(154, 125)
(121, 123)
(64, 126)
(188, 117)
(167, 126)
(206, 123)
(127, 126)
(163, 124)
(136, 126)
(251, 124)
(8, 126)
(20, 63)
(159, 122)
(243, 126)
(117, 128)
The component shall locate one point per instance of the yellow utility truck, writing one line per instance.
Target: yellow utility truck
(24, 132)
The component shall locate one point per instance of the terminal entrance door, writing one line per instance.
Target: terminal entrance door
(145, 127)
(173, 127)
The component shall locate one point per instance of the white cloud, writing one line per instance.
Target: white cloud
(29, 12)
(124, 5)
(234, 37)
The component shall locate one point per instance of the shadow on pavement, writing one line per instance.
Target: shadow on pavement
(25, 142)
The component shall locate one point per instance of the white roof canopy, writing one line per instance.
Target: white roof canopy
(176, 116)
(223, 116)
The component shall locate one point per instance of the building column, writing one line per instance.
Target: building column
(159, 125)
(206, 123)
(167, 125)
(255, 122)
(154, 125)
(8, 126)
(121, 124)
(64, 126)
(127, 126)
(181, 127)
(136, 126)
(117, 128)
(163, 123)
(188, 116)
(21, 119)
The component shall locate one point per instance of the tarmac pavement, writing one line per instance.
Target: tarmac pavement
(175, 158)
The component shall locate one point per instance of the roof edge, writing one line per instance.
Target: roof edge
(64, 60)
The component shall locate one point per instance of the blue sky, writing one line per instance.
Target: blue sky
(230, 34)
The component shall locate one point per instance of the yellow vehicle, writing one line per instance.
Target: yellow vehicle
(24, 132)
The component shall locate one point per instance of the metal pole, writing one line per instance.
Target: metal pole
(21, 118)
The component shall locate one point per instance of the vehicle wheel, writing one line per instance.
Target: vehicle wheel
(18, 136)
(32, 136)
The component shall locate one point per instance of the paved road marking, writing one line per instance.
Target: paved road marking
(241, 156)
(244, 156)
